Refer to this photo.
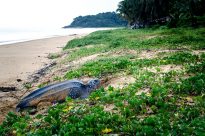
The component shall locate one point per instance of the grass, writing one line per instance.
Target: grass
(83, 51)
(168, 38)
(174, 104)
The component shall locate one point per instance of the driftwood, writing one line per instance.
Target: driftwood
(7, 89)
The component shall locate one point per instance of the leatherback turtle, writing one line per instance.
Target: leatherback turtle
(58, 92)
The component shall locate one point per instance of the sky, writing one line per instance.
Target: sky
(45, 14)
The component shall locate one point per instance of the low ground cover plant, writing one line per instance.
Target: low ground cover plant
(172, 105)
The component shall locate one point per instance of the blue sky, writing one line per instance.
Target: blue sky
(22, 14)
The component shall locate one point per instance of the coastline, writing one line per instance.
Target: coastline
(11, 42)
(7, 38)
(19, 60)
(24, 62)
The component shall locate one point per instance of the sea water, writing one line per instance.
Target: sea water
(9, 36)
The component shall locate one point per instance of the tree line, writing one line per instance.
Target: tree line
(107, 19)
(141, 13)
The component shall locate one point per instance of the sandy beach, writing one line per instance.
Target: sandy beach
(19, 60)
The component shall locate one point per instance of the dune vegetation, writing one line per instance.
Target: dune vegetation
(153, 83)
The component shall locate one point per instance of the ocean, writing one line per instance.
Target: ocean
(15, 36)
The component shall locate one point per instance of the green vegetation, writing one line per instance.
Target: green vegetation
(173, 13)
(144, 39)
(108, 19)
(84, 51)
(174, 103)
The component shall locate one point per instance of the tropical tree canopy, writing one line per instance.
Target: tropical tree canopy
(148, 12)
(107, 19)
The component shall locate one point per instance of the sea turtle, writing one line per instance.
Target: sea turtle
(58, 92)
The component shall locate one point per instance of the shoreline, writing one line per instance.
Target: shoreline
(22, 63)
(19, 36)
(20, 60)
(10, 43)
(6, 43)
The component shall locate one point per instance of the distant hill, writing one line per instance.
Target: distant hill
(108, 19)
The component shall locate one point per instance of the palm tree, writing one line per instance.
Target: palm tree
(126, 10)
(142, 11)
(148, 11)
(186, 10)
(131, 10)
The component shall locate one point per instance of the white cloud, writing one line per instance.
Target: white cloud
(49, 13)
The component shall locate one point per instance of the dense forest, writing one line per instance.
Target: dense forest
(146, 13)
(173, 13)
(108, 19)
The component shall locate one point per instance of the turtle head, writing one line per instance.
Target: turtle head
(93, 84)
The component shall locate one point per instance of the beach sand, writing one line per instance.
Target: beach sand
(19, 60)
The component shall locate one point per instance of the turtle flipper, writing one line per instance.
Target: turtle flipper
(23, 104)
(75, 92)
